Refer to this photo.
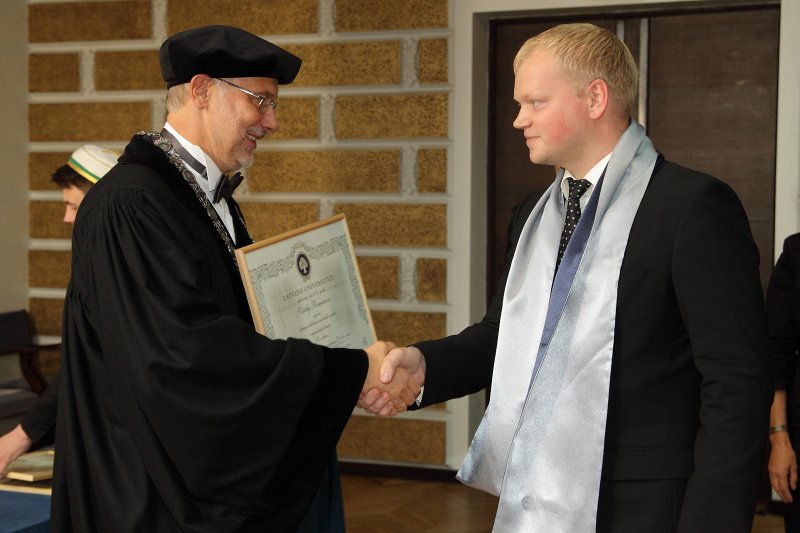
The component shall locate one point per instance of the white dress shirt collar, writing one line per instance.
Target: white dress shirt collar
(593, 176)
(213, 173)
(209, 183)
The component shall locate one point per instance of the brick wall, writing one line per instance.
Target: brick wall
(365, 131)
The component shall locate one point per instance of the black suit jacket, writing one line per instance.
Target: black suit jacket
(783, 311)
(690, 392)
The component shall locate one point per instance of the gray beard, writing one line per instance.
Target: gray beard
(245, 160)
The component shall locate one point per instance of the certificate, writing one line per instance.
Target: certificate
(305, 284)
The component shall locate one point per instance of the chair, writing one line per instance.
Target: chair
(17, 396)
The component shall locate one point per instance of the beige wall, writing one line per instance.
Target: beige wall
(13, 147)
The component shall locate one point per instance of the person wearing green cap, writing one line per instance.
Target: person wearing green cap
(85, 167)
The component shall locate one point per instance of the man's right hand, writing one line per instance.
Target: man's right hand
(782, 466)
(12, 445)
(409, 359)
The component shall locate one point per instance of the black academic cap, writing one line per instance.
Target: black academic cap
(224, 52)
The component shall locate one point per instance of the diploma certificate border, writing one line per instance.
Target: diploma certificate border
(254, 274)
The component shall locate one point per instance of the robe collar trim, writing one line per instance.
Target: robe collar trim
(175, 160)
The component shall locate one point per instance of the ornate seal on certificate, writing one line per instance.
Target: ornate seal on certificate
(286, 299)
(303, 266)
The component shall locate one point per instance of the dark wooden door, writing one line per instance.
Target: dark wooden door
(710, 104)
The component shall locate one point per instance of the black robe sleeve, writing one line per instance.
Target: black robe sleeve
(39, 423)
(175, 415)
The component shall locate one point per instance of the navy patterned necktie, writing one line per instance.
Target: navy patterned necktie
(576, 190)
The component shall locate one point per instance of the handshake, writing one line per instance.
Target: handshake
(394, 380)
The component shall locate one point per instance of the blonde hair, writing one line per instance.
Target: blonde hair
(587, 52)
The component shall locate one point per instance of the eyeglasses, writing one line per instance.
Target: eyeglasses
(264, 102)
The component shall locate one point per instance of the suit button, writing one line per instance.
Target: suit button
(527, 503)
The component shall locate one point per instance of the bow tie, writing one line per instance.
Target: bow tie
(226, 186)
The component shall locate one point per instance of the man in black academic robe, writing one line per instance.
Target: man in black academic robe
(174, 414)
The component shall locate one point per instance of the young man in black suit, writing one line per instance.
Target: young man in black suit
(626, 348)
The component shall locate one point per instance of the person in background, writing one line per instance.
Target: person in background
(783, 314)
(86, 165)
